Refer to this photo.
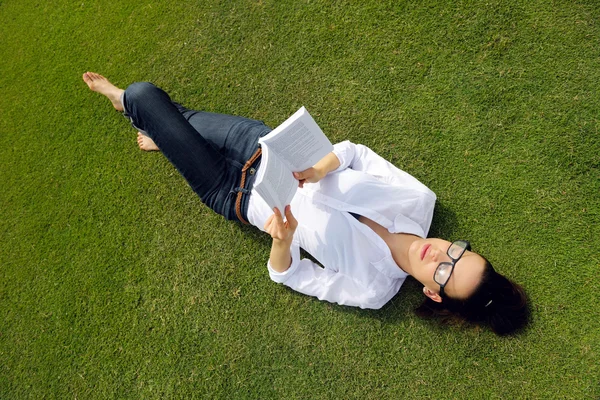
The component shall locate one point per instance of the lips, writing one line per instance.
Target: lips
(424, 250)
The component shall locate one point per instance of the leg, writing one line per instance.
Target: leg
(100, 84)
(234, 137)
(205, 170)
(209, 154)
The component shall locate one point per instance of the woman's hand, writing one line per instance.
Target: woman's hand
(281, 231)
(311, 175)
(282, 234)
(314, 174)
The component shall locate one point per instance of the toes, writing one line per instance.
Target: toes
(92, 76)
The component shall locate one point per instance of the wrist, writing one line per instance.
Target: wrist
(320, 171)
(282, 243)
(281, 258)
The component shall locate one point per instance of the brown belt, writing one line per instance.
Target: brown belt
(238, 200)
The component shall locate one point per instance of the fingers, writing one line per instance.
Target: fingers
(274, 224)
(278, 216)
(293, 223)
(300, 177)
(269, 222)
(304, 176)
(277, 228)
(311, 175)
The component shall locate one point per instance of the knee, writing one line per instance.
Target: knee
(139, 90)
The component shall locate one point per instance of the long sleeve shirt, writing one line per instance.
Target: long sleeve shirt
(357, 265)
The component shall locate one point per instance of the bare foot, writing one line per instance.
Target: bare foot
(146, 143)
(100, 84)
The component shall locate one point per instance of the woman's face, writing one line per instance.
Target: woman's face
(426, 254)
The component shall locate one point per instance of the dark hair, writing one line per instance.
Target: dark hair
(497, 302)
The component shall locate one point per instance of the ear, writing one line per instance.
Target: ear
(432, 295)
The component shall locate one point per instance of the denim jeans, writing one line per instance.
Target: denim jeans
(208, 149)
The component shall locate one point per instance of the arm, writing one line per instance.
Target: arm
(344, 155)
(308, 278)
(361, 158)
(282, 234)
(317, 172)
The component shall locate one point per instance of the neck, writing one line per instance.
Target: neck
(399, 243)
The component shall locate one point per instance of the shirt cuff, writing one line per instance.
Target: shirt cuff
(344, 151)
(282, 277)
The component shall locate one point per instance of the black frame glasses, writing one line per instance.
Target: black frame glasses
(444, 270)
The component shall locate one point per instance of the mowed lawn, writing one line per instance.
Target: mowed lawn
(117, 282)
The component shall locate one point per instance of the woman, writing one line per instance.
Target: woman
(365, 220)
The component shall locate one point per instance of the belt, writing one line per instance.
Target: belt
(238, 200)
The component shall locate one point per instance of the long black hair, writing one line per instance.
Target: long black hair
(497, 302)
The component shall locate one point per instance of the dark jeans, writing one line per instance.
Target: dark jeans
(208, 149)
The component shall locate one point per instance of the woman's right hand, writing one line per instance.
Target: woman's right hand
(311, 175)
(317, 172)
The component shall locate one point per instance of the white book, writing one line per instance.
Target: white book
(294, 146)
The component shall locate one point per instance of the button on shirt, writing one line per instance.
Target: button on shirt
(357, 265)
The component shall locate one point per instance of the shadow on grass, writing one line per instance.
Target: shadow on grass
(444, 222)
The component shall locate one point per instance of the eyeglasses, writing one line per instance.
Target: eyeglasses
(443, 272)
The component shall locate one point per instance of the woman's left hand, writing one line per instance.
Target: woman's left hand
(279, 230)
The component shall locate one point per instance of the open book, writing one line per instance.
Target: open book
(294, 146)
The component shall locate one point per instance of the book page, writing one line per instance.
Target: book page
(299, 142)
(275, 182)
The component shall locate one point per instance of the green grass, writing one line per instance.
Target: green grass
(116, 282)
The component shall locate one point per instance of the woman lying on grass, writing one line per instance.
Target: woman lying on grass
(365, 220)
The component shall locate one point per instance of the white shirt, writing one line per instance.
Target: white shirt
(358, 268)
